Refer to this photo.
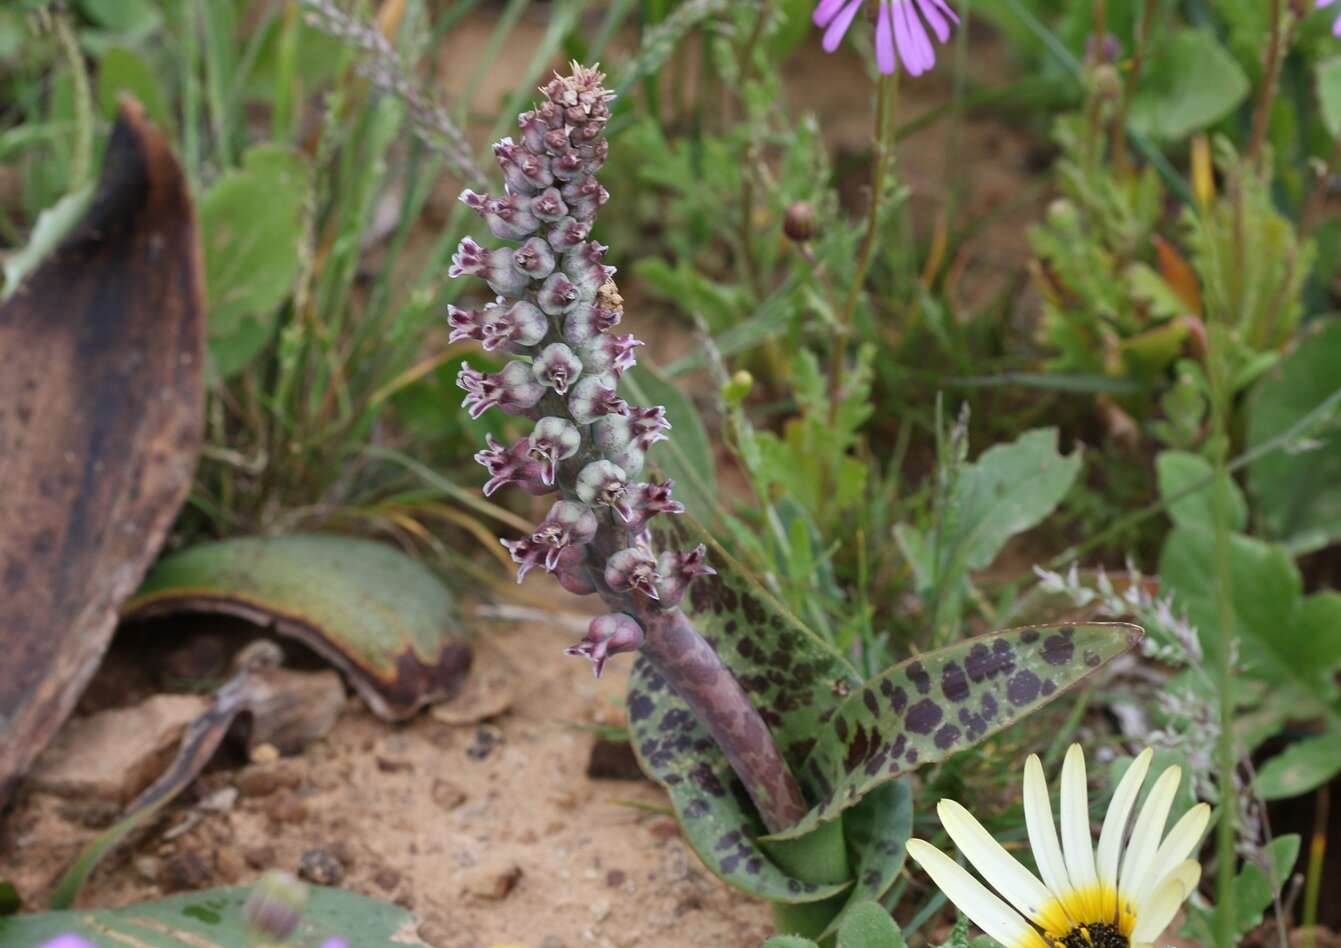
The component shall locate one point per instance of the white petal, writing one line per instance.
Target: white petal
(1115, 822)
(997, 919)
(1042, 829)
(1077, 841)
(1139, 861)
(1001, 870)
(1177, 846)
(1165, 901)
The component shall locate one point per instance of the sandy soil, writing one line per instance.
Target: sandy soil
(492, 833)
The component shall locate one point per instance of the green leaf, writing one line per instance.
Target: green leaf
(789, 941)
(868, 925)
(1297, 490)
(1302, 767)
(213, 919)
(1009, 489)
(1254, 890)
(923, 710)
(383, 618)
(1329, 94)
(251, 228)
(135, 17)
(687, 456)
(1178, 471)
(1288, 641)
(9, 898)
(1190, 84)
(878, 829)
(122, 71)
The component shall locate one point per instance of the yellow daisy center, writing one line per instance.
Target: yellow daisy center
(1090, 917)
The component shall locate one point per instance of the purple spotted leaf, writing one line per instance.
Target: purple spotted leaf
(925, 709)
(791, 674)
(715, 812)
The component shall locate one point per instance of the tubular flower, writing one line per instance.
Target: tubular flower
(1114, 896)
(556, 307)
(1336, 24)
(900, 30)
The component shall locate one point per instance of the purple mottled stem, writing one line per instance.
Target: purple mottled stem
(694, 671)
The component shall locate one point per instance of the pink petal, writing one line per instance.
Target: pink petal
(932, 14)
(911, 38)
(884, 40)
(838, 28)
(1336, 27)
(1323, 3)
(825, 10)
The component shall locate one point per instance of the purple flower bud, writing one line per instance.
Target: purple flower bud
(603, 484)
(650, 499)
(633, 568)
(593, 397)
(628, 456)
(518, 325)
(67, 941)
(465, 324)
(608, 353)
(557, 367)
(642, 426)
(606, 636)
(526, 553)
(557, 295)
(567, 233)
(513, 389)
(512, 465)
(508, 217)
(568, 524)
(585, 196)
(556, 141)
(583, 266)
(588, 320)
(548, 205)
(494, 266)
(572, 573)
(678, 570)
(568, 166)
(275, 906)
(552, 441)
(533, 127)
(524, 172)
(534, 258)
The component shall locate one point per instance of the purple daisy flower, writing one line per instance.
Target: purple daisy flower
(1336, 26)
(900, 29)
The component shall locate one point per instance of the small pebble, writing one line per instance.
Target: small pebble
(447, 795)
(487, 737)
(186, 870)
(321, 867)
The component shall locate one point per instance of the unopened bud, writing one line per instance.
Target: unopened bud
(799, 222)
(606, 636)
(737, 388)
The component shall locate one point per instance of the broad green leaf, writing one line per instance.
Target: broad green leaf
(251, 229)
(1009, 489)
(791, 674)
(1297, 490)
(1254, 890)
(1192, 83)
(1179, 471)
(868, 925)
(123, 71)
(1287, 640)
(687, 457)
(383, 618)
(1302, 767)
(789, 941)
(213, 919)
(135, 17)
(1329, 94)
(925, 709)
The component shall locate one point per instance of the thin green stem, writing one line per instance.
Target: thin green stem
(81, 161)
(882, 148)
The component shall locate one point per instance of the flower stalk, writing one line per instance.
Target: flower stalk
(555, 319)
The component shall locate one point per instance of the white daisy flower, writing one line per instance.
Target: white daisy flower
(1112, 897)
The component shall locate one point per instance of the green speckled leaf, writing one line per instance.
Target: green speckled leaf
(793, 677)
(380, 616)
(213, 919)
(877, 830)
(923, 710)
